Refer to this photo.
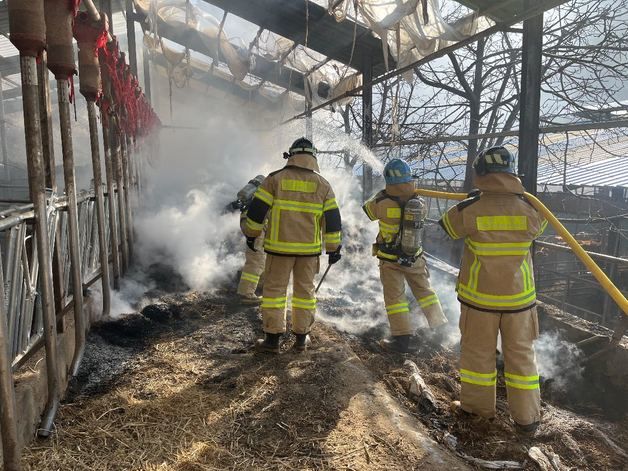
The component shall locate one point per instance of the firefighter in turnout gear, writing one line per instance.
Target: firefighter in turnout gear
(401, 215)
(303, 217)
(254, 256)
(496, 289)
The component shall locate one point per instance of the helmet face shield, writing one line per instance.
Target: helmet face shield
(494, 160)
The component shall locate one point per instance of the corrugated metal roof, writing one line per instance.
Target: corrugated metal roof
(592, 159)
(609, 173)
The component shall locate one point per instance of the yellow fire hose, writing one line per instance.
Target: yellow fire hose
(597, 272)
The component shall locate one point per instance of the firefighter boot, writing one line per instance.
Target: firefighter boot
(528, 429)
(302, 343)
(269, 344)
(397, 343)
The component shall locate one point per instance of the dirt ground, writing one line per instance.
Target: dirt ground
(179, 388)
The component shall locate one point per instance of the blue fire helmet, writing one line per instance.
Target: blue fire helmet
(397, 171)
(494, 160)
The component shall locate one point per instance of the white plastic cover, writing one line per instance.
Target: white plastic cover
(409, 29)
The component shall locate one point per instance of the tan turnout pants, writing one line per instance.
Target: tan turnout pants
(253, 269)
(478, 375)
(277, 277)
(392, 276)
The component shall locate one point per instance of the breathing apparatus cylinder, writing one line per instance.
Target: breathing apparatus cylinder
(246, 193)
(414, 214)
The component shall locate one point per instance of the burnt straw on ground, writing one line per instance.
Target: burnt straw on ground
(177, 387)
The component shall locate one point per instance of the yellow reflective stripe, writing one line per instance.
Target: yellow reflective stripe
(388, 227)
(333, 237)
(287, 205)
(522, 382)
(502, 223)
(302, 303)
(369, 213)
(428, 300)
(498, 249)
(514, 300)
(448, 226)
(398, 308)
(521, 377)
(293, 247)
(330, 204)
(528, 280)
(388, 231)
(254, 225)
(524, 277)
(302, 186)
(479, 379)
(474, 273)
(274, 302)
(393, 213)
(250, 277)
(265, 196)
(542, 228)
(386, 255)
(522, 386)
(478, 375)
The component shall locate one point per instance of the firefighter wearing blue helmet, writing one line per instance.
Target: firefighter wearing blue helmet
(401, 214)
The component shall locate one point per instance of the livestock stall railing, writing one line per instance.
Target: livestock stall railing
(20, 266)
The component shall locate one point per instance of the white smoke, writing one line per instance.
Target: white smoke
(558, 359)
(130, 298)
(181, 221)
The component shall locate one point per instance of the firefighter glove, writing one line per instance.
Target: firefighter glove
(334, 256)
(250, 243)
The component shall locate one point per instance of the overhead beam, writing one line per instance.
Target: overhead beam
(323, 33)
(269, 71)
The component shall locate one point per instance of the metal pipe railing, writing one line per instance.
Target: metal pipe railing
(594, 255)
(74, 242)
(126, 156)
(8, 413)
(119, 176)
(113, 227)
(100, 207)
(30, 100)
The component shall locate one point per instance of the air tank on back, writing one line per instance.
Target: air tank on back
(414, 214)
(247, 192)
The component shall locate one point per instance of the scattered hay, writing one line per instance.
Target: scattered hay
(192, 396)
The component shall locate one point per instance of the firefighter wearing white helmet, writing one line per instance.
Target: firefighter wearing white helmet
(303, 218)
(496, 289)
(401, 215)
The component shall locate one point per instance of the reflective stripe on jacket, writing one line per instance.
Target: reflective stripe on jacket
(387, 211)
(498, 226)
(301, 210)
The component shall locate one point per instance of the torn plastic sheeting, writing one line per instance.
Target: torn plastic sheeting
(197, 68)
(411, 29)
(237, 56)
(183, 16)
